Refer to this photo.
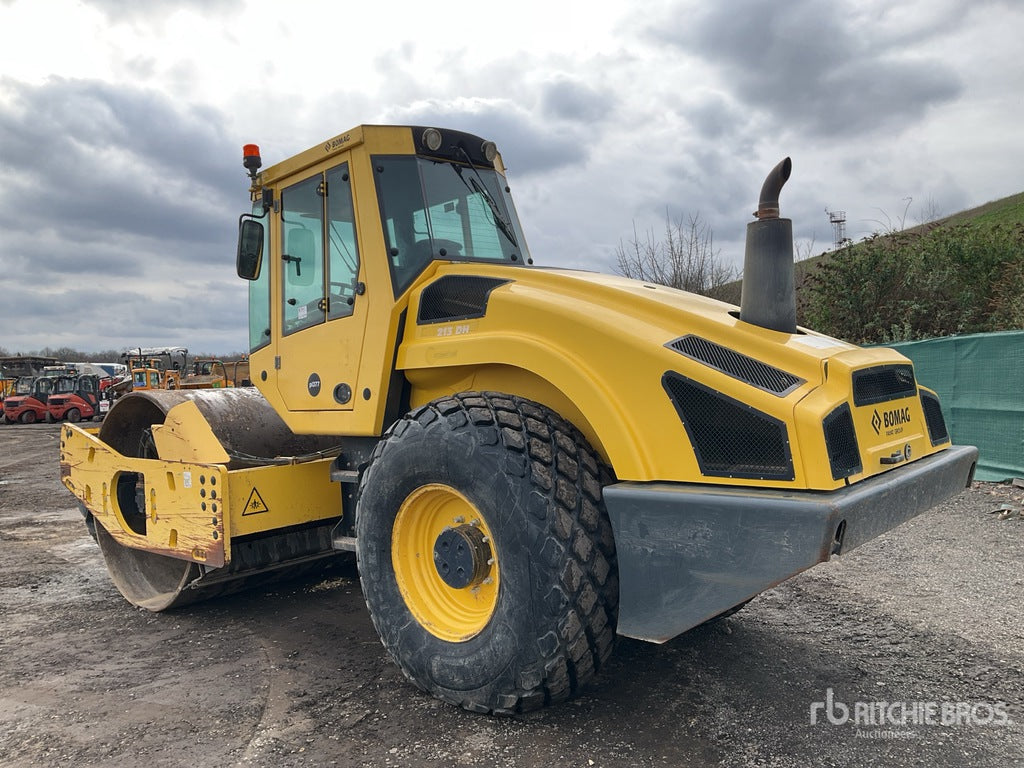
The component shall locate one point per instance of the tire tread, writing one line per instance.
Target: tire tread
(577, 553)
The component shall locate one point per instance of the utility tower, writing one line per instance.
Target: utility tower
(838, 221)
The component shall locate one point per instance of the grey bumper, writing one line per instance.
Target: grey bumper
(687, 553)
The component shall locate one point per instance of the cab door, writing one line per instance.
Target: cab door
(322, 320)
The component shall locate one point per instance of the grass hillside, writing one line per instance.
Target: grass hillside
(1009, 210)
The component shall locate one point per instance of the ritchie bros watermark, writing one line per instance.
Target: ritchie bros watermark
(891, 715)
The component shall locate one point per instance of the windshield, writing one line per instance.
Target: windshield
(65, 384)
(439, 210)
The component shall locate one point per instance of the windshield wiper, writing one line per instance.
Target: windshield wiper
(499, 220)
(477, 185)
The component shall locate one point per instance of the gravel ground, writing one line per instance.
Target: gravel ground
(916, 637)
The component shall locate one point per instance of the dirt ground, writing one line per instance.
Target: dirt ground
(918, 636)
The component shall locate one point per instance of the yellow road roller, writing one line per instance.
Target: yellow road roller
(526, 461)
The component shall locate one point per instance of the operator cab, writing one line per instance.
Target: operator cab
(350, 227)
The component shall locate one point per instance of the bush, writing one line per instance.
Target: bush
(904, 286)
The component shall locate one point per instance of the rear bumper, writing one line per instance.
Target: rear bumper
(686, 553)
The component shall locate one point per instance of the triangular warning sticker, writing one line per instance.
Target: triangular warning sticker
(255, 504)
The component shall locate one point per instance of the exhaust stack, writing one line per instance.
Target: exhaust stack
(769, 294)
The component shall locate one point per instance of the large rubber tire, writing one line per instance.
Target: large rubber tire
(28, 417)
(528, 480)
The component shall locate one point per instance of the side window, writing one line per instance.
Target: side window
(343, 252)
(400, 195)
(154, 379)
(302, 255)
(259, 295)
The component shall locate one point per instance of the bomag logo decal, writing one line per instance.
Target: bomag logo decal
(337, 142)
(891, 421)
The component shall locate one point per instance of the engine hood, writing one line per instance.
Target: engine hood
(615, 356)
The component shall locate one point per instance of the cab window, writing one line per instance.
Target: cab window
(439, 210)
(302, 254)
(259, 298)
(320, 255)
(343, 251)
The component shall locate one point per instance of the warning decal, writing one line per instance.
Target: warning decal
(255, 504)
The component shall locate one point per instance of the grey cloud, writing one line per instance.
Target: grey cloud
(815, 65)
(100, 315)
(565, 99)
(69, 255)
(715, 117)
(103, 160)
(114, 199)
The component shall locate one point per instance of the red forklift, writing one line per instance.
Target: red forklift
(28, 402)
(74, 398)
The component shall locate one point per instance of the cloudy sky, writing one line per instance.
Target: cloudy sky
(121, 126)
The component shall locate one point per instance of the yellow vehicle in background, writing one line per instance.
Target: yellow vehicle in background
(238, 372)
(156, 367)
(7, 386)
(211, 373)
(206, 374)
(526, 460)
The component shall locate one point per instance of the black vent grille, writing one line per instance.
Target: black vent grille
(729, 438)
(883, 383)
(456, 297)
(739, 366)
(841, 441)
(933, 418)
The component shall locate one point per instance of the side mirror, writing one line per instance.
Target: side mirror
(250, 249)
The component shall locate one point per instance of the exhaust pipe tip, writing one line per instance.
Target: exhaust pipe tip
(768, 205)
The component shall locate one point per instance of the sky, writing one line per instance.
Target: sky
(122, 122)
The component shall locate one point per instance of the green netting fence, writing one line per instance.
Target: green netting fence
(980, 379)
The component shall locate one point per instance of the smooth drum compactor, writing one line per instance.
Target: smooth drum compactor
(524, 460)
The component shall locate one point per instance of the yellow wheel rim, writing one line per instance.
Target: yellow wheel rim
(433, 521)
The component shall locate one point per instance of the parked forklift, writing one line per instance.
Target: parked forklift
(27, 404)
(74, 398)
(526, 461)
(20, 367)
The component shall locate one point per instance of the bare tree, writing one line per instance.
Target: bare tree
(685, 258)
(804, 249)
(930, 212)
(891, 226)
